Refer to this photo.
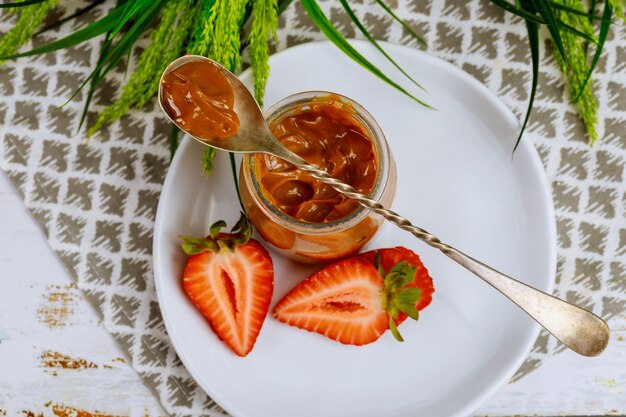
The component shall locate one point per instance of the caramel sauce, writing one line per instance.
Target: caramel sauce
(326, 133)
(200, 99)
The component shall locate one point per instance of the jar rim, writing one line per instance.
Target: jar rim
(375, 133)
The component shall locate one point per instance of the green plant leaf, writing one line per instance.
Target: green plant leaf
(545, 10)
(517, 11)
(592, 7)
(20, 3)
(97, 76)
(571, 10)
(604, 31)
(533, 41)
(322, 22)
(408, 28)
(218, 34)
(373, 41)
(30, 18)
(577, 51)
(97, 28)
(174, 141)
(282, 5)
(121, 47)
(565, 26)
(95, 79)
(514, 9)
(74, 15)
(131, 9)
(618, 8)
(167, 42)
(202, 33)
(264, 22)
(233, 171)
(208, 156)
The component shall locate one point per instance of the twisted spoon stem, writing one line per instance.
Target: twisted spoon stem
(580, 330)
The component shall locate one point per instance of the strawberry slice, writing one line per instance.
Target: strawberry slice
(230, 278)
(354, 301)
(342, 302)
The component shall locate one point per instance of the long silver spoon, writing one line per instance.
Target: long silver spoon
(578, 329)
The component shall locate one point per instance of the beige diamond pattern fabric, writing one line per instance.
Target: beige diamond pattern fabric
(96, 200)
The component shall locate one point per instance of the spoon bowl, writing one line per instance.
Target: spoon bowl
(253, 136)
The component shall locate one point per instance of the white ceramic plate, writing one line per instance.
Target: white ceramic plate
(456, 178)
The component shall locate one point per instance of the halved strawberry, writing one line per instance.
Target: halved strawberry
(354, 301)
(230, 278)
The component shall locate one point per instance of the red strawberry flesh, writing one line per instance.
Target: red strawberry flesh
(342, 302)
(354, 302)
(233, 289)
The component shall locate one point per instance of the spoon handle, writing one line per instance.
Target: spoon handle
(579, 329)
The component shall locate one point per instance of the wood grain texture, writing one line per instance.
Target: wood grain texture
(55, 357)
(56, 360)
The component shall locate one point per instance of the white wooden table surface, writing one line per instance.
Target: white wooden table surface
(57, 360)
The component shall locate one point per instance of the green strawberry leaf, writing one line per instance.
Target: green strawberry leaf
(239, 236)
(380, 268)
(409, 310)
(192, 250)
(394, 330)
(193, 240)
(408, 295)
(397, 297)
(408, 274)
(195, 245)
(399, 266)
(399, 276)
(215, 228)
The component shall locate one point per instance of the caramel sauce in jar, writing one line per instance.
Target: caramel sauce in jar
(325, 134)
(301, 217)
(200, 99)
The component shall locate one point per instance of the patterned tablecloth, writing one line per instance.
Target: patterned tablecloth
(96, 200)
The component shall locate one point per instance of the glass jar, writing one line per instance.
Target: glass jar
(331, 240)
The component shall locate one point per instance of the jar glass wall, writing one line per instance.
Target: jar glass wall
(318, 241)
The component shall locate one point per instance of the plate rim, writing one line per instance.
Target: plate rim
(525, 145)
